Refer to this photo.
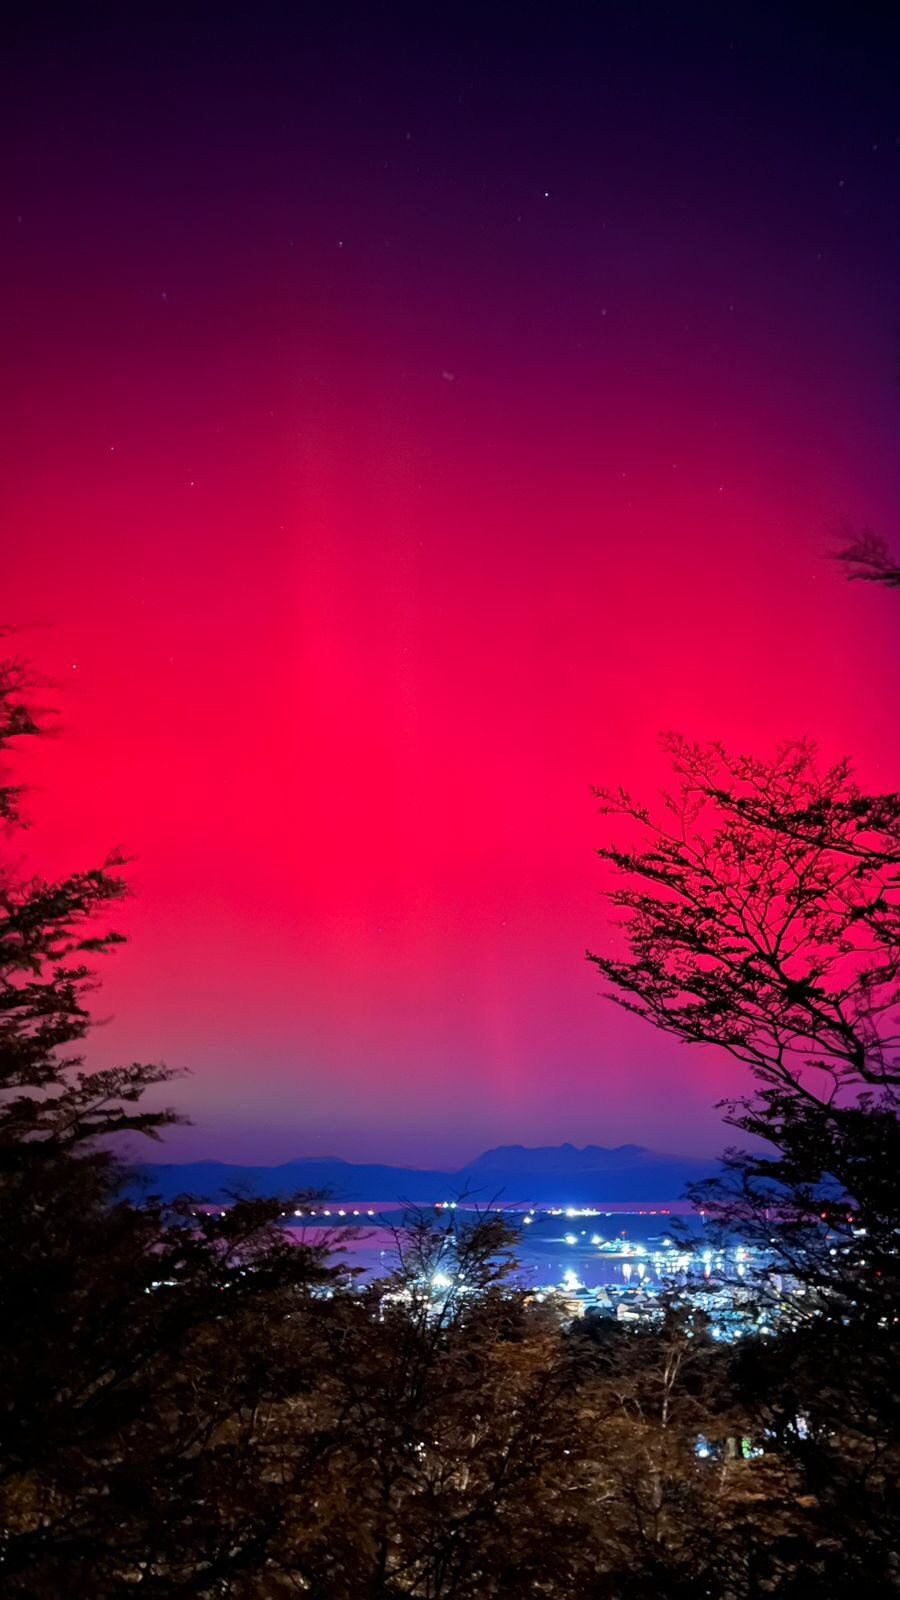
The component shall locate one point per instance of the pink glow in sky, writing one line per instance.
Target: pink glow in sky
(395, 444)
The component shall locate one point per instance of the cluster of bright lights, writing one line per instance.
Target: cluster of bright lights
(326, 1212)
(573, 1211)
(594, 1211)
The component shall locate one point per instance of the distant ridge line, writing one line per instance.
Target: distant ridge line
(515, 1173)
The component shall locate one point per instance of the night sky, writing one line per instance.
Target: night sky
(408, 413)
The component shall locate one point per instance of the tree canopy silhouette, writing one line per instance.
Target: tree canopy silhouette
(868, 558)
(137, 1342)
(759, 913)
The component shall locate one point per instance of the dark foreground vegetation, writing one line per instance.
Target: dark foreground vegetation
(193, 1405)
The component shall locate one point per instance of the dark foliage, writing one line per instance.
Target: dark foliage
(137, 1343)
(761, 916)
(868, 558)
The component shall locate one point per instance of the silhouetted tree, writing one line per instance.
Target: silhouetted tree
(455, 1398)
(868, 559)
(760, 914)
(137, 1343)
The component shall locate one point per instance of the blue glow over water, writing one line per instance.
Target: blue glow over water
(618, 1247)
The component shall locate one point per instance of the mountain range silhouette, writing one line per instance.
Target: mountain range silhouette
(563, 1174)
